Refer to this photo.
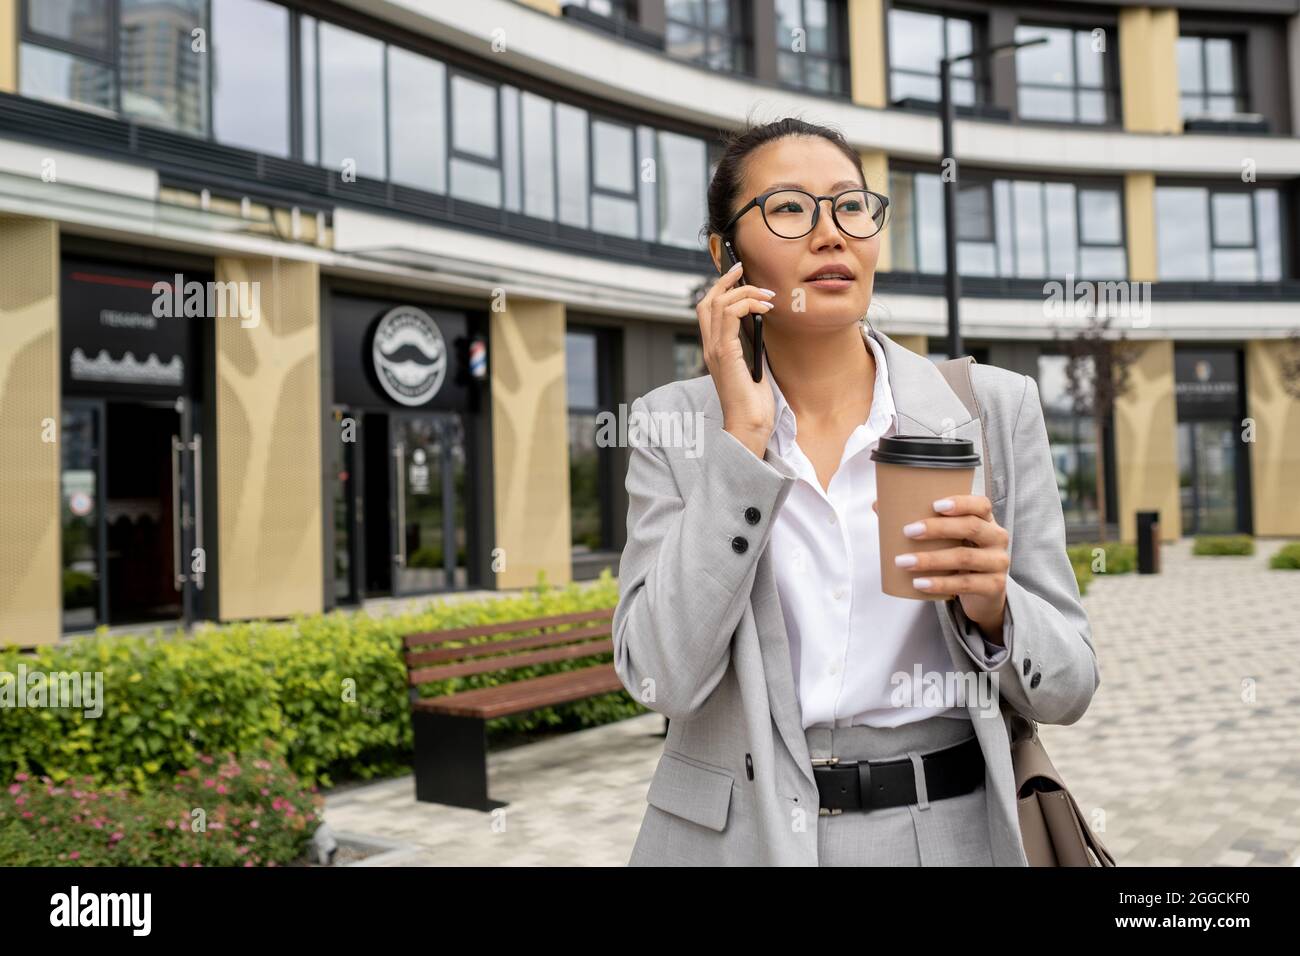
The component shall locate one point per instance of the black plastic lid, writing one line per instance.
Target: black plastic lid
(926, 451)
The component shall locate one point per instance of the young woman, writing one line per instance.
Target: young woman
(750, 609)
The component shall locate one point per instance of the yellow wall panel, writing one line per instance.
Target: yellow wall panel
(31, 586)
(530, 442)
(869, 80)
(1146, 450)
(1275, 451)
(268, 412)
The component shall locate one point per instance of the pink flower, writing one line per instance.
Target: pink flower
(15, 788)
(27, 814)
(21, 777)
(209, 782)
(253, 825)
(74, 855)
(248, 863)
(205, 758)
(222, 788)
(116, 836)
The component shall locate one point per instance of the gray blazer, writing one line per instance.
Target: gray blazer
(699, 634)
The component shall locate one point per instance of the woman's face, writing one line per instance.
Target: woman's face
(786, 266)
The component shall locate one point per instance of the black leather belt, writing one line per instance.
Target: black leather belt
(873, 784)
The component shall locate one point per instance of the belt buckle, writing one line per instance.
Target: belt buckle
(832, 762)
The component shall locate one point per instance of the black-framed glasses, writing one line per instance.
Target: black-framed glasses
(793, 213)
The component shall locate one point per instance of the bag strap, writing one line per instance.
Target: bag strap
(957, 373)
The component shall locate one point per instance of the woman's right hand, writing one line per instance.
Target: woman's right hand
(748, 407)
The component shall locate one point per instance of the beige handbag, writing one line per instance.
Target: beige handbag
(1052, 827)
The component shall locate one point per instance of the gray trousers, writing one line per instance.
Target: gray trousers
(949, 832)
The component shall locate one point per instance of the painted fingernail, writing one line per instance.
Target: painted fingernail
(914, 529)
(943, 504)
(767, 291)
(905, 560)
(920, 582)
(733, 268)
(767, 305)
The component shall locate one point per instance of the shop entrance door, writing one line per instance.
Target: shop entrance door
(154, 557)
(427, 490)
(1207, 477)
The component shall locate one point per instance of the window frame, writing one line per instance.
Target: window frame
(1109, 90)
(988, 179)
(739, 34)
(839, 57)
(1240, 75)
(979, 78)
(1215, 187)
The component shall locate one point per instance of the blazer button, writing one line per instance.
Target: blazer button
(739, 545)
(1026, 667)
(752, 515)
(1037, 678)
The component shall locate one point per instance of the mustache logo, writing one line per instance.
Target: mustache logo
(410, 355)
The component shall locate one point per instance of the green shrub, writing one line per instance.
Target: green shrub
(253, 813)
(329, 690)
(1236, 544)
(1287, 557)
(1119, 558)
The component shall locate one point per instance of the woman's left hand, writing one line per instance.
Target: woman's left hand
(975, 571)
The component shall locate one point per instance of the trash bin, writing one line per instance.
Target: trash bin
(1148, 542)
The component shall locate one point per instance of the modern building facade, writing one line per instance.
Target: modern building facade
(304, 302)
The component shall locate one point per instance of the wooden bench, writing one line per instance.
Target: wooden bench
(451, 730)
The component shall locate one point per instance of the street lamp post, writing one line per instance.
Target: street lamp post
(947, 112)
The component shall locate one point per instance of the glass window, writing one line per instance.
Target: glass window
(511, 147)
(1009, 227)
(918, 40)
(474, 117)
(475, 164)
(1206, 234)
(648, 182)
(1209, 76)
(811, 45)
(250, 64)
(85, 23)
(682, 189)
(417, 120)
(1068, 78)
(63, 78)
(351, 101)
(81, 501)
(688, 357)
(538, 123)
(587, 460)
(712, 33)
(1071, 436)
(613, 199)
(571, 163)
(163, 78)
(614, 9)
(309, 81)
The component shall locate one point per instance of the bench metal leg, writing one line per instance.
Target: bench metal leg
(451, 761)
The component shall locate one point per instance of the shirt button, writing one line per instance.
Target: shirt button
(839, 593)
(752, 515)
(739, 545)
(835, 668)
(832, 519)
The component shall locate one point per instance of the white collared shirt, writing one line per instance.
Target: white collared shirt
(847, 637)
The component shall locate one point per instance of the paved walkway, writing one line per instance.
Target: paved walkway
(1189, 754)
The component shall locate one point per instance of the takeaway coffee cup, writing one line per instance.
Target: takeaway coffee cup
(912, 473)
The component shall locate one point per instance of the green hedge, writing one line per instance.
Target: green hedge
(1119, 558)
(329, 690)
(1287, 558)
(1235, 544)
(253, 812)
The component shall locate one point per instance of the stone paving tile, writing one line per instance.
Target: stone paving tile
(1188, 755)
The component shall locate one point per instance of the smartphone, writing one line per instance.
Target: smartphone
(756, 317)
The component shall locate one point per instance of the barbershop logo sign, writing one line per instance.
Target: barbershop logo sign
(409, 355)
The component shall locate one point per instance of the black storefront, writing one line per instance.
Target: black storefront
(1213, 459)
(137, 521)
(408, 460)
